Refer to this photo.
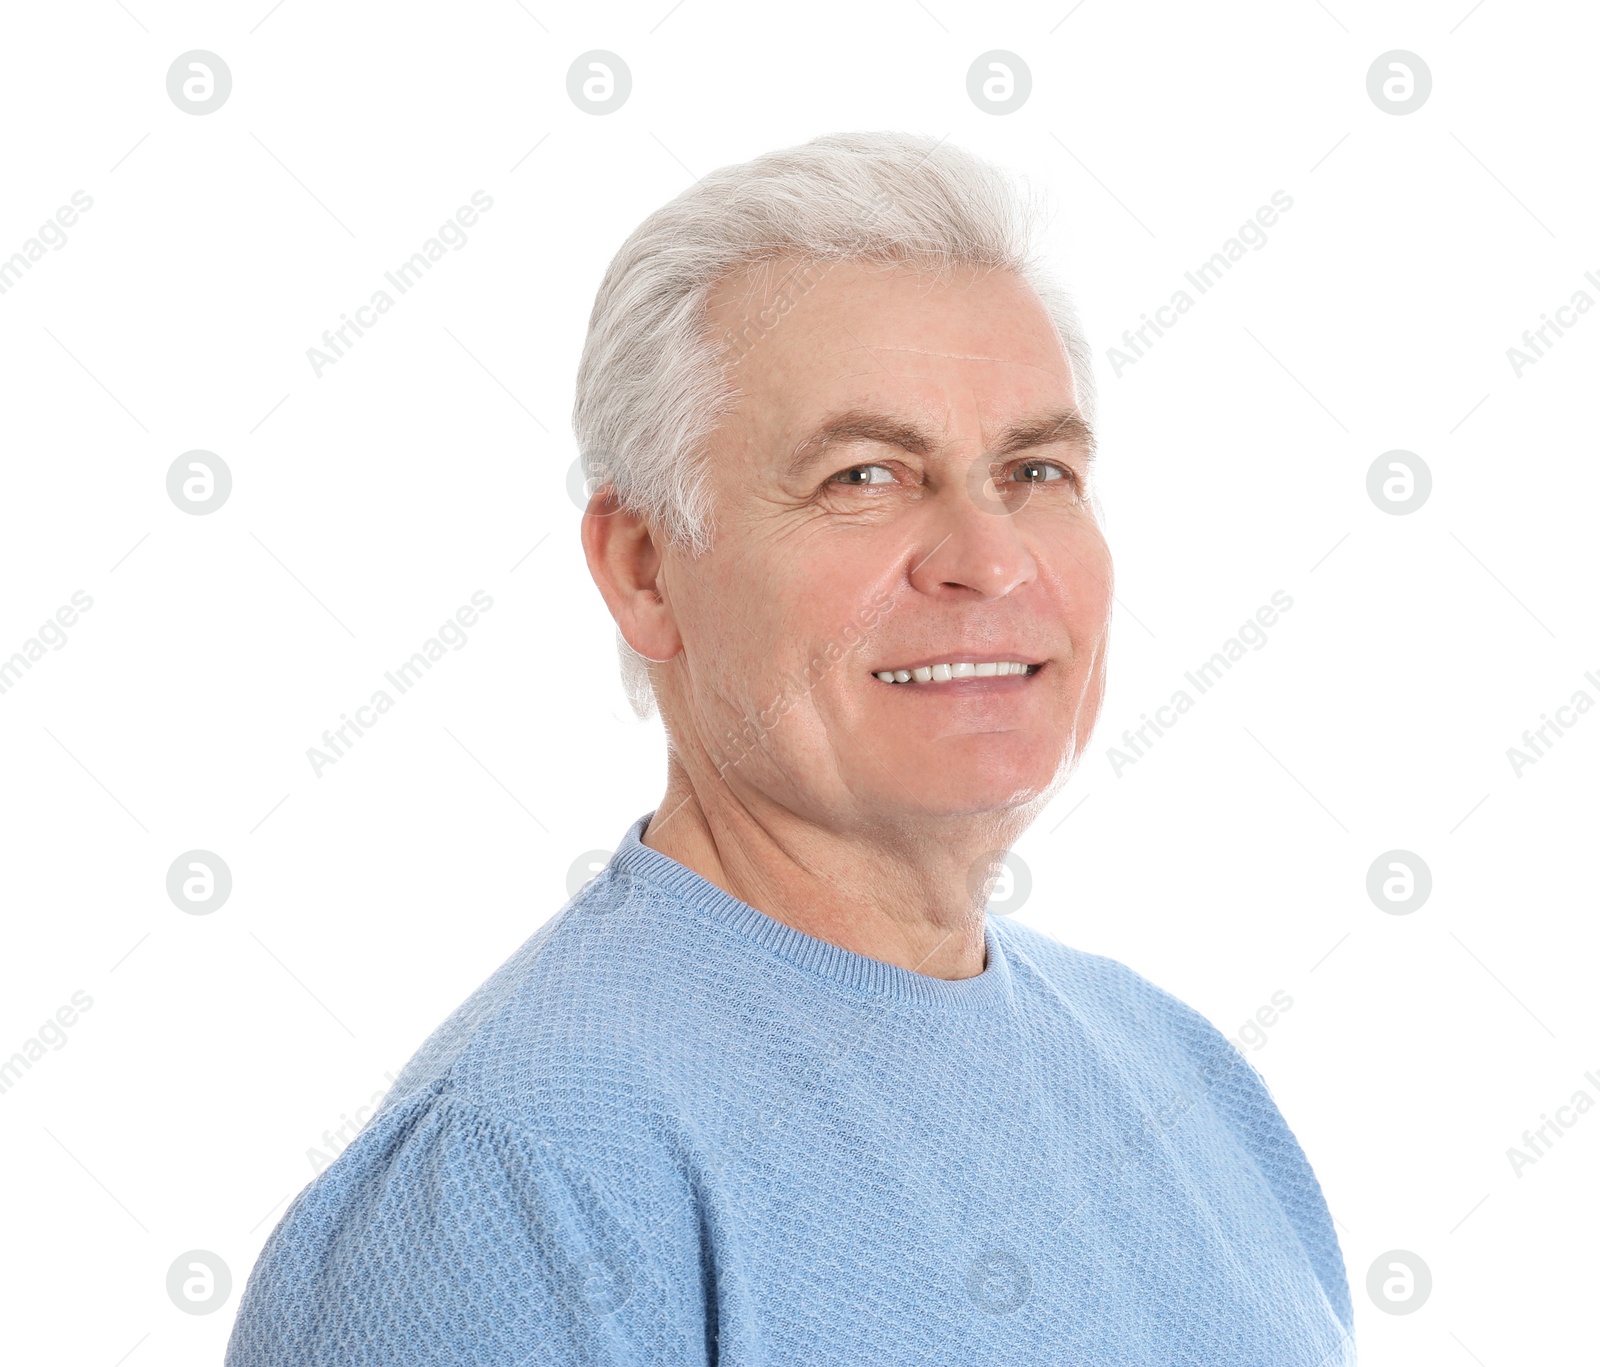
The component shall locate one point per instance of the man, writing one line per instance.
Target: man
(773, 1088)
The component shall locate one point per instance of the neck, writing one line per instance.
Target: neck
(903, 894)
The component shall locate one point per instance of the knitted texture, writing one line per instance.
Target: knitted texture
(672, 1130)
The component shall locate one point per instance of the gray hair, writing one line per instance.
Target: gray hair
(652, 384)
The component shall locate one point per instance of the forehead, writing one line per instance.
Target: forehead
(798, 337)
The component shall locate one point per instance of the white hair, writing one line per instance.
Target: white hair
(653, 384)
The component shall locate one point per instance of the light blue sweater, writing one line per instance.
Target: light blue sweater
(672, 1130)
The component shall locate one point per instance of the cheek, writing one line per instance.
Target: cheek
(818, 601)
(751, 629)
(1085, 585)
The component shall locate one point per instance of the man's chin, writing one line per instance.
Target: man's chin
(987, 785)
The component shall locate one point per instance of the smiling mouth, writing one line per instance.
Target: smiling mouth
(956, 670)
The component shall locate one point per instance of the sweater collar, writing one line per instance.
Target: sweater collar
(987, 991)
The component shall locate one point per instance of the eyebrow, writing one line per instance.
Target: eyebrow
(1059, 425)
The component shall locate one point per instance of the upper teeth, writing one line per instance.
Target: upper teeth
(966, 669)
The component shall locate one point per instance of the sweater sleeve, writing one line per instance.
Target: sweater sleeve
(442, 1235)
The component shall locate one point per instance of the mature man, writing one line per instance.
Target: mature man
(773, 1088)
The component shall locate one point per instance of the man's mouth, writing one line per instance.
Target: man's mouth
(952, 670)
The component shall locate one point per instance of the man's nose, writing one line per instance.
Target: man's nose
(973, 544)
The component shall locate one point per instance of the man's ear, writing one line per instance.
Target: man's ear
(625, 562)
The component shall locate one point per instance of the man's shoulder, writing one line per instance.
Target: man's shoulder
(1171, 1052)
(582, 1010)
(1116, 1000)
(1096, 975)
(553, 1071)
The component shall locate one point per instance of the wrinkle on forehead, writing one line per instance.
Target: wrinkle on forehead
(947, 355)
(925, 351)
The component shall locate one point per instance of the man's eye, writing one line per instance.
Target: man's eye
(1040, 472)
(863, 475)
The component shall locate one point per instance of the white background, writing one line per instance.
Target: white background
(431, 461)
